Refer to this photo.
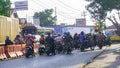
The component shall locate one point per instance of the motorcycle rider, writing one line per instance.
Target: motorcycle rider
(58, 43)
(91, 42)
(30, 41)
(100, 40)
(58, 39)
(82, 40)
(76, 40)
(42, 39)
(108, 41)
(67, 38)
(95, 39)
(42, 44)
(50, 41)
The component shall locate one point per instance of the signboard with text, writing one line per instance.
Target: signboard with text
(21, 5)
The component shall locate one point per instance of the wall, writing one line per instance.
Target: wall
(74, 30)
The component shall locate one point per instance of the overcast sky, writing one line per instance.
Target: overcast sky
(67, 10)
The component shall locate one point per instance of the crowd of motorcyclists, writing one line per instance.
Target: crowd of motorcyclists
(65, 43)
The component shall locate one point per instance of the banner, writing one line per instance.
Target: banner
(21, 5)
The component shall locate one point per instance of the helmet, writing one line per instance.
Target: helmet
(7, 37)
(42, 34)
(65, 33)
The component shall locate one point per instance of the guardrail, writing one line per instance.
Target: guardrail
(14, 51)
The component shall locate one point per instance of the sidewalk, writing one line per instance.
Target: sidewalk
(108, 59)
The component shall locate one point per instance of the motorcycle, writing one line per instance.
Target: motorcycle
(108, 41)
(41, 49)
(76, 44)
(29, 51)
(59, 47)
(87, 44)
(67, 48)
(49, 50)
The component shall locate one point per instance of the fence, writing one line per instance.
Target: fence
(13, 51)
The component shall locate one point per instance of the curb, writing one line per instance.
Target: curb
(12, 58)
(89, 62)
(117, 51)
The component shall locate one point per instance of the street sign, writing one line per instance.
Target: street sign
(21, 5)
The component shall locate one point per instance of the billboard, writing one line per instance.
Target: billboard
(36, 22)
(21, 5)
(80, 22)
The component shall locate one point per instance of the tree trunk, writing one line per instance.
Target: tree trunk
(116, 24)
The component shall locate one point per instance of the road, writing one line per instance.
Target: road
(77, 58)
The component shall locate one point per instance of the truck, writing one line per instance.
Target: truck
(8, 27)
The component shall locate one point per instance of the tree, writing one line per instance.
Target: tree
(99, 10)
(4, 7)
(46, 18)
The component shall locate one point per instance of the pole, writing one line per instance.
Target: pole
(56, 15)
(9, 9)
(84, 14)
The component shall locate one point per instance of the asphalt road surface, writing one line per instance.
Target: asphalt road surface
(56, 61)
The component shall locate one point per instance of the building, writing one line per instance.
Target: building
(81, 22)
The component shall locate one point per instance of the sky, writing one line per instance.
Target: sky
(67, 11)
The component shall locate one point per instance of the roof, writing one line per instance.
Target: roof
(111, 27)
(29, 27)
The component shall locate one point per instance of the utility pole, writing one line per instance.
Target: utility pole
(56, 15)
(84, 14)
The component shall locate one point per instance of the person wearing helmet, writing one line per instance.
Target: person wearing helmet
(76, 40)
(7, 42)
(42, 39)
(18, 40)
(82, 40)
(50, 41)
(30, 41)
(67, 37)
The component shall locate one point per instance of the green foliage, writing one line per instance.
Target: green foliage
(46, 18)
(99, 8)
(4, 7)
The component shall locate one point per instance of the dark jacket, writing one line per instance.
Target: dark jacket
(8, 42)
(50, 40)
